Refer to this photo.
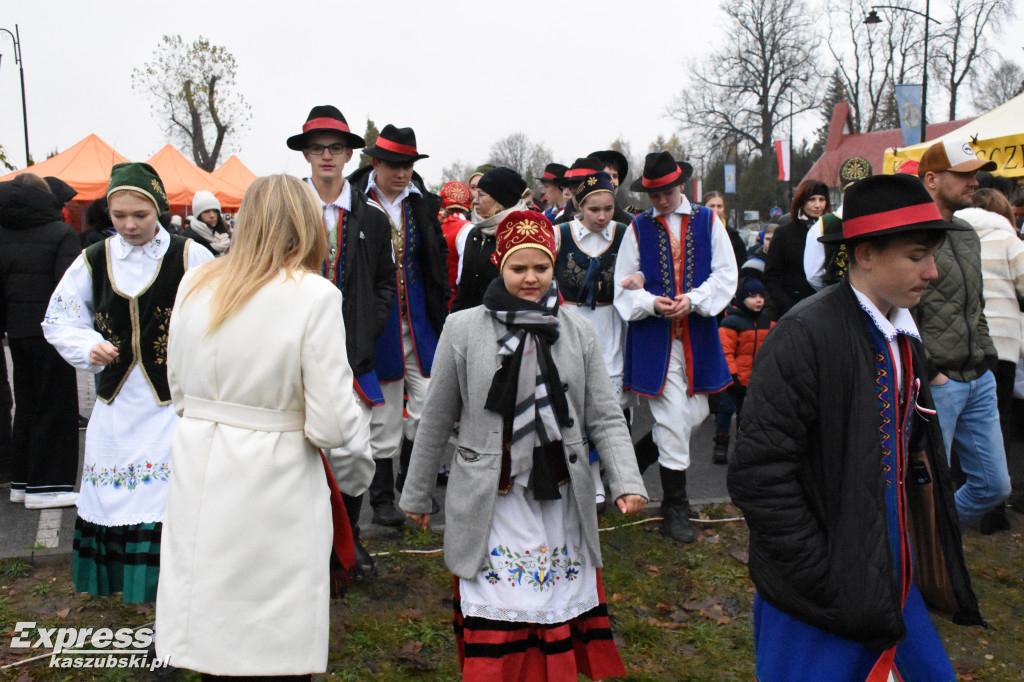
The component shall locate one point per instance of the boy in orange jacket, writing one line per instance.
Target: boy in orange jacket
(742, 331)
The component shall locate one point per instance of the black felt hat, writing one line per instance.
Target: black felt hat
(325, 118)
(614, 158)
(581, 168)
(553, 172)
(888, 204)
(661, 172)
(395, 145)
(504, 185)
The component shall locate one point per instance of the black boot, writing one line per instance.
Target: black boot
(382, 495)
(403, 468)
(995, 520)
(364, 562)
(403, 463)
(646, 452)
(675, 507)
(720, 455)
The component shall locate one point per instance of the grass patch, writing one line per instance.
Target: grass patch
(678, 612)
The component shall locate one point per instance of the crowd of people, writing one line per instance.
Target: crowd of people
(256, 381)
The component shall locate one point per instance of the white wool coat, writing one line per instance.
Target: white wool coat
(1002, 271)
(244, 582)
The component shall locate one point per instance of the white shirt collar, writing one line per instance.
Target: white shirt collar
(580, 230)
(684, 207)
(155, 248)
(344, 200)
(371, 183)
(900, 321)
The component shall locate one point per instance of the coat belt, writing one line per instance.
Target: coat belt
(244, 416)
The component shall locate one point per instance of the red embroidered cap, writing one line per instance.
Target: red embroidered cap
(523, 230)
(455, 194)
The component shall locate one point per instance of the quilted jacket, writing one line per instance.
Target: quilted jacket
(807, 474)
(950, 315)
(742, 332)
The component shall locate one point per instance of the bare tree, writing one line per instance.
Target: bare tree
(193, 88)
(871, 61)
(456, 171)
(743, 91)
(1004, 82)
(518, 152)
(962, 46)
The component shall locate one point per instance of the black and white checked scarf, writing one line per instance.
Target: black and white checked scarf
(526, 389)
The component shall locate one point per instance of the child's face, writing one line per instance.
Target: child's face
(134, 217)
(755, 302)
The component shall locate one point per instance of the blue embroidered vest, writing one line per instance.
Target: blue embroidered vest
(366, 385)
(649, 341)
(412, 306)
(894, 431)
(584, 279)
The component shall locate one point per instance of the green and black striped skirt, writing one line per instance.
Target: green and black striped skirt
(112, 559)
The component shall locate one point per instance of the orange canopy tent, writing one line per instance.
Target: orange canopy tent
(182, 179)
(235, 172)
(85, 166)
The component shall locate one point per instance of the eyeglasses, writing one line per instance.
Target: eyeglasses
(318, 149)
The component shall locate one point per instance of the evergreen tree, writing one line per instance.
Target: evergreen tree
(371, 139)
(834, 94)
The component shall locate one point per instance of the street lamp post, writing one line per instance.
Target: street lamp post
(16, 37)
(873, 18)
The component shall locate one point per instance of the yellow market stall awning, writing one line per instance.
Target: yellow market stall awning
(997, 135)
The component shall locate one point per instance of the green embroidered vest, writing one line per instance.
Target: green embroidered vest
(138, 324)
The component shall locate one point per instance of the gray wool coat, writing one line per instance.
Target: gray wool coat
(466, 359)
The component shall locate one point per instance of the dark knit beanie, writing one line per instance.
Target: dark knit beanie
(749, 287)
(504, 185)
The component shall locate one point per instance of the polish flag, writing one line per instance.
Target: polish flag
(782, 154)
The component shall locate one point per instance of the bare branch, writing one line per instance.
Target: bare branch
(192, 88)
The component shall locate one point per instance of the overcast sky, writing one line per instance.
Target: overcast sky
(572, 74)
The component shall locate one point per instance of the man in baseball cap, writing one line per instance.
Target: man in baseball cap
(960, 352)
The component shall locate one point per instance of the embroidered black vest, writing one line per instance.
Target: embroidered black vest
(584, 279)
(136, 325)
(836, 256)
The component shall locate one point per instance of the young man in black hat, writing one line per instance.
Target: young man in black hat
(405, 350)
(961, 355)
(617, 167)
(840, 469)
(580, 169)
(359, 262)
(553, 172)
(674, 354)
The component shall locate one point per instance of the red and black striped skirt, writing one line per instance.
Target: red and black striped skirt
(493, 650)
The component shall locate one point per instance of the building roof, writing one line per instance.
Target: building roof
(843, 145)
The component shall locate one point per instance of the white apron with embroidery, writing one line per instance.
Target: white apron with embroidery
(128, 442)
(538, 569)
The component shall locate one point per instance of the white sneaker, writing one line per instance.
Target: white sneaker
(17, 496)
(50, 500)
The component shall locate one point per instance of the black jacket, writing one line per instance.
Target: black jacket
(477, 270)
(807, 474)
(434, 253)
(369, 285)
(784, 279)
(36, 247)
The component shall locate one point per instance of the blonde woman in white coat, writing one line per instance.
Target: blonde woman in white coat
(259, 374)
